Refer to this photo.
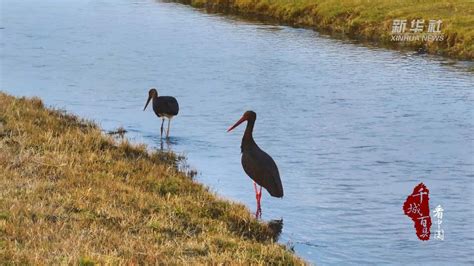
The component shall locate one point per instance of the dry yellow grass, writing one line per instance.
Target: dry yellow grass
(70, 194)
(366, 20)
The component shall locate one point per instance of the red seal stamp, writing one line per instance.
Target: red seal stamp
(417, 207)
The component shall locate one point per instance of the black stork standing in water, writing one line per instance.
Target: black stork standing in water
(164, 107)
(258, 164)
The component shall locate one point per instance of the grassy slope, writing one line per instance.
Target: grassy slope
(369, 20)
(69, 194)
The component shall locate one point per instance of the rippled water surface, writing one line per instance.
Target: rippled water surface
(353, 129)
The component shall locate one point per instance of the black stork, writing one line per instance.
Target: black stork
(164, 107)
(257, 164)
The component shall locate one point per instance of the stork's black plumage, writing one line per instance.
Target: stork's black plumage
(163, 106)
(257, 164)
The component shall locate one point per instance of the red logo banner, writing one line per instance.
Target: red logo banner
(417, 207)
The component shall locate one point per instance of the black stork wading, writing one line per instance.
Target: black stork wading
(257, 164)
(164, 107)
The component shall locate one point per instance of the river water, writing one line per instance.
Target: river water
(352, 128)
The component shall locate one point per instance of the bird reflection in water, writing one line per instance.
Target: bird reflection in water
(168, 143)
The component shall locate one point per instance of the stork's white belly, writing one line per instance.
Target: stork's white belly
(166, 115)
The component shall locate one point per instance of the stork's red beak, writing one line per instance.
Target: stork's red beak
(238, 123)
(147, 102)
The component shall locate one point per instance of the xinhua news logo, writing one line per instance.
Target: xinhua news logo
(418, 30)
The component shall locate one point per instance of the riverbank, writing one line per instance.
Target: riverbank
(367, 21)
(71, 194)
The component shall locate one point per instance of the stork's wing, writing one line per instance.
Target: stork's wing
(263, 170)
(167, 105)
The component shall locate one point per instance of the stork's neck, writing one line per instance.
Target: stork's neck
(247, 140)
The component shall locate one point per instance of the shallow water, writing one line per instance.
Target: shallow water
(352, 128)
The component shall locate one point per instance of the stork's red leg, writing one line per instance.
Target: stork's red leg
(162, 122)
(258, 195)
(168, 131)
